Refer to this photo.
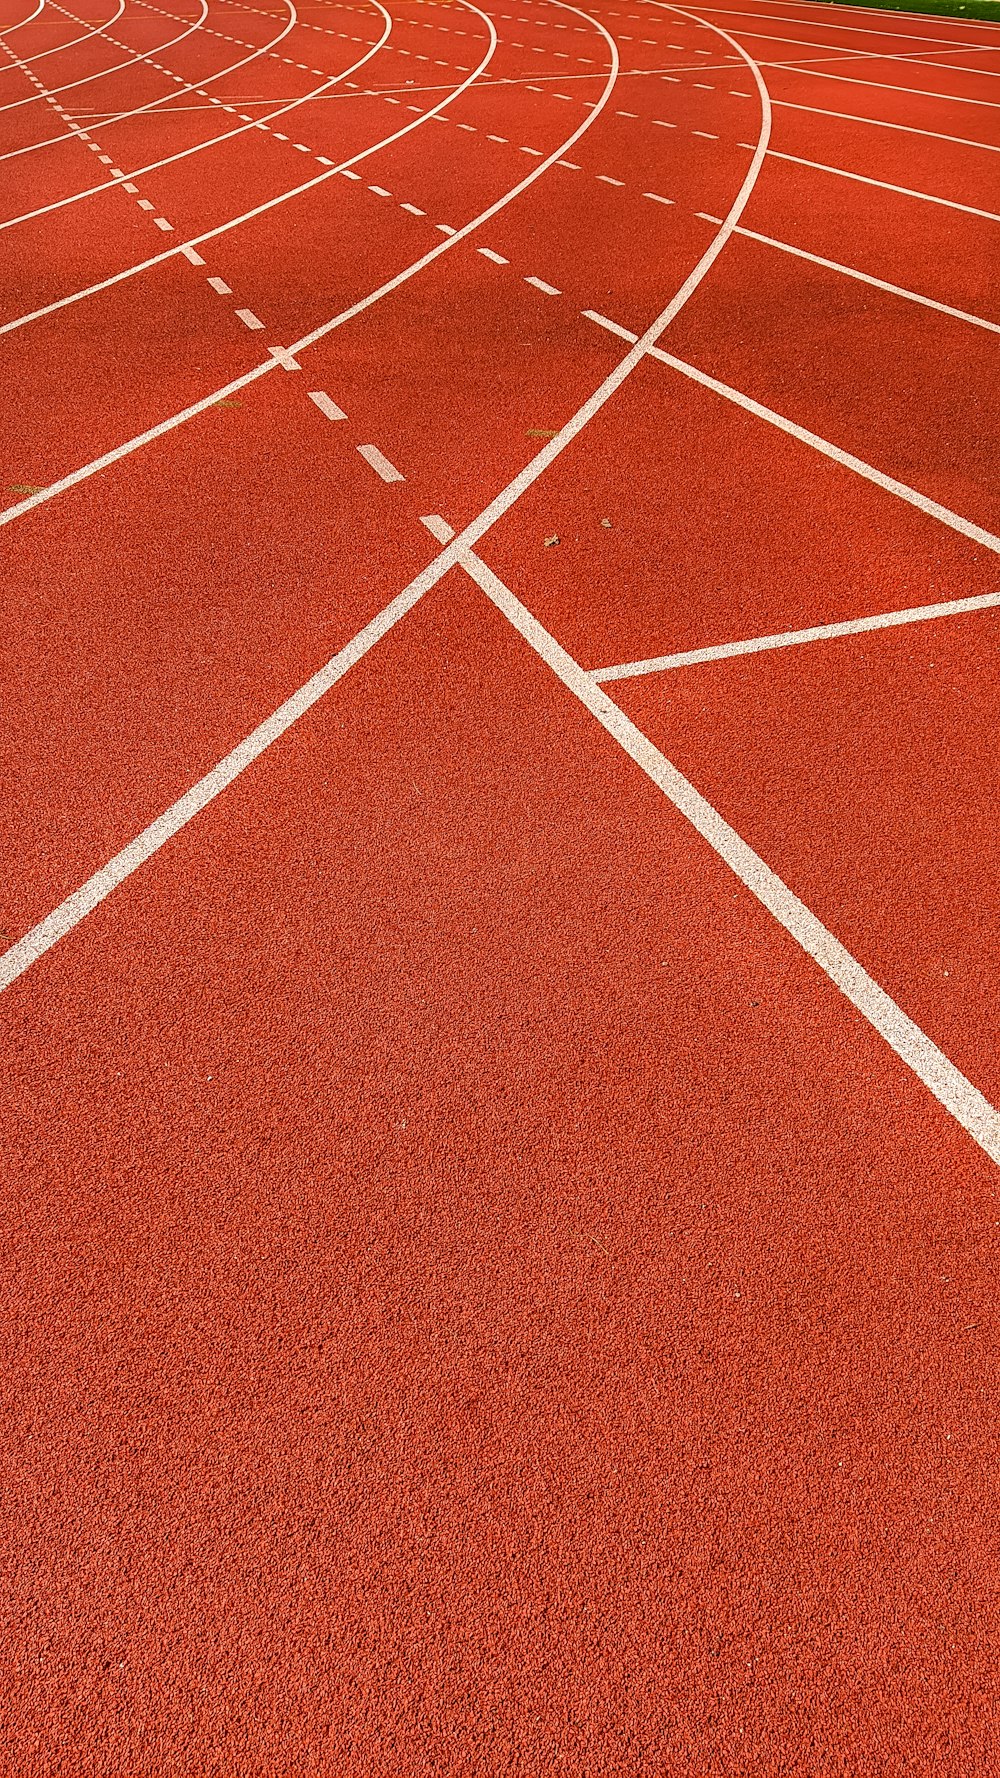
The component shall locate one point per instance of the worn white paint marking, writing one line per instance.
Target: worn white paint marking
(162, 223)
(381, 465)
(438, 527)
(326, 406)
(902, 491)
(249, 319)
(966, 1104)
(191, 253)
(144, 204)
(220, 286)
(724, 651)
(283, 357)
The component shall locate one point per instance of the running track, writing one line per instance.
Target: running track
(499, 905)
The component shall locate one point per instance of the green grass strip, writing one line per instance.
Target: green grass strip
(956, 9)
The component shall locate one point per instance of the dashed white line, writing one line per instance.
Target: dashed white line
(326, 406)
(497, 258)
(381, 465)
(540, 284)
(249, 319)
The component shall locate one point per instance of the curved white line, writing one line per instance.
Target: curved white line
(465, 540)
(29, 61)
(179, 419)
(48, 931)
(53, 92)
(22, 22)
(133, 271)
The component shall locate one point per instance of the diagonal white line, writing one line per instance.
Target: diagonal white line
(857, 626)
(965, 1102)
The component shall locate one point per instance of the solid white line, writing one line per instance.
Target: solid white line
(905, 191)
(326, 406)
(623, 333)
(882, 123)
(912, 496)
(966, 1103)
(724, 651)
(847, 271)
(381, 465)
(62, 920)
(859, 30)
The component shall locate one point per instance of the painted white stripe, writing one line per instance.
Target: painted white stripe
(606, 179)
(912, 496)
(412, 208)
(192, 255)
(162, 223)
(906, 191)
(220, 286)
(724, 651)
(540, 284)
(847, 271)
(623, 333)
(883, 123)
(656, 198)
(381, 465)
(380, 191)
(497, 258)
(249, 319)
(438, 527)
(62, 920)
(326, 406)
(966, 1104)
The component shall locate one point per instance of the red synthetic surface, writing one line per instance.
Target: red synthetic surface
(477, 1298)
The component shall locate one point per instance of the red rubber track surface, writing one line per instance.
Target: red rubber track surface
(478, 1298)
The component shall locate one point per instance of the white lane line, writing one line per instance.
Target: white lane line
(326, 406)
(249, 319)
(497, 258)
(282, 356)
(848, 271)
(911, 496)
(380, 191)
(145, 204)
(656, 198)
(883, 123)
(139, 440)
(191, 254)
(906, 191)
(64, 918)
(438, 527)
(412, 208)
(220, 286)
(623, 333)
(724, 651)
(540, 284)
(606, 179)
(381, 465)
(348, 173)
(162, 223)
(966, 1104)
